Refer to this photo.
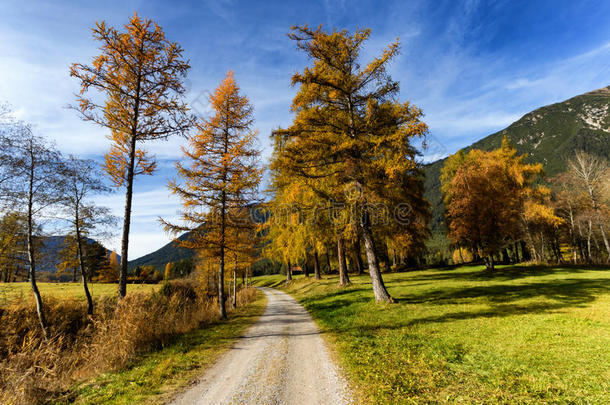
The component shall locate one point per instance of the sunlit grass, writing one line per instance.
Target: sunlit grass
(519, 335)
(11, 291)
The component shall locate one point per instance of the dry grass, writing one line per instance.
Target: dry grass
(10, 292)
(34, 371)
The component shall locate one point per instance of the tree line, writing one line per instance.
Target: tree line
(497, 208)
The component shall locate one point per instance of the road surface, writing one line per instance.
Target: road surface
(281, 359)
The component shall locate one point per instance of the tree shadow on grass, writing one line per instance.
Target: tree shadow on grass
(570, 292)
(503, 300)
(500, 274)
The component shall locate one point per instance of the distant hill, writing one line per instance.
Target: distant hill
(51, 246)
(547, 135)
(168, 253)
(173, 253)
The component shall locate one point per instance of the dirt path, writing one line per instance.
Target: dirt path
(280, 360)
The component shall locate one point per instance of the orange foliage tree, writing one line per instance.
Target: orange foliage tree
(221, 181)
(485, 195)
(141, 74)
(351, 137)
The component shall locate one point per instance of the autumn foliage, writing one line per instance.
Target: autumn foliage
(350, 144)
(220, 182)
(491, 199)
(141, 74)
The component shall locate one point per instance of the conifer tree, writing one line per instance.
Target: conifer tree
(141, 74)
(221, 179)
(350, 128)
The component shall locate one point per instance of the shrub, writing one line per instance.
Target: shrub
(34, 370)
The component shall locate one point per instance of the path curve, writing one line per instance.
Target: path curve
(281, 359)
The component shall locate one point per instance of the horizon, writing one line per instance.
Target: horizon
(473, 69)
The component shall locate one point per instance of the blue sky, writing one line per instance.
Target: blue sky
(472, 66)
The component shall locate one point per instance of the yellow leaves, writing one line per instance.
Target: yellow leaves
(487, 194)
(541, 214)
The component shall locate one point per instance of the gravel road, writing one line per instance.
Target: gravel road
(281, 359)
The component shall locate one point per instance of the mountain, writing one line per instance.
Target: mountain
(548, 135)
(168, 253)
(173, 253)
(50, 248)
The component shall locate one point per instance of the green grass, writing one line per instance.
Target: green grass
(11, 291)
(156, 377)
(520, 335)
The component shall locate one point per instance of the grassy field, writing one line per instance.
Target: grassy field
(11, 291)
(156, 377)
(519, 335)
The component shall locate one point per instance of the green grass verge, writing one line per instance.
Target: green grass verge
(12, 291)
(157, 377)
(519, 335)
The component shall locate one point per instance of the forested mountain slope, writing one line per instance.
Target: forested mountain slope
(548, 135)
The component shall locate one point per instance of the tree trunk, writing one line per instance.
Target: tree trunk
(127, 220)
(460, 252)
(343, 277)
(328, 260)
(316, 265)
(81, 264)
(589, 242)
(489, 263)
(505, 258)
(31, 257)
(379, 290)
(357, 256)
(599, 221)
(235, 285)
(525, 253)
(221, 269)
(306, 267)
(516, 250)
(289, 272)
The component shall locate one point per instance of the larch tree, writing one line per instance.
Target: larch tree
(110, 272)
(485, 193)
(13, 242)
(221, 180)
(141, 74)
(167, 273)
(349, 127)
(82, 182)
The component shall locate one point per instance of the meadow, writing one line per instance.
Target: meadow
(522, 334)
(11, 291)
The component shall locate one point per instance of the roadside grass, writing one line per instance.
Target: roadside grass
(11, 291)
(156, 377)
(523, 334)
